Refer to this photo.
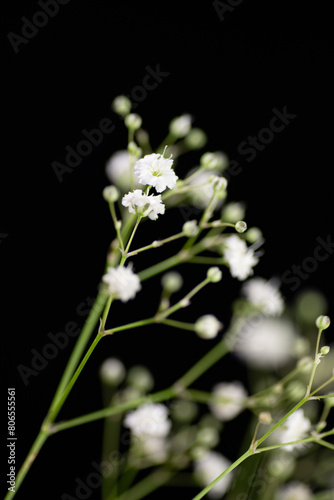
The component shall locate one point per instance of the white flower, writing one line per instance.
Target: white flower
(208, 467)
(112, 371)
(294, 491)
(118, 170)
(149, 420)
(234, 393)
(180, 126)
(122, 283)
(142, 204)
(296, 427)
(264, 295)
(154, 449)
(265, 343)
(208, 326)
(239, 258)
(155, 170)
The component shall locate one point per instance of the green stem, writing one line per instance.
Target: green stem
(149, 484)
(124, 257)
(69, 387)
(179, 324)
(117, 225)
(135, 324)
(315, 364)
(156, 244)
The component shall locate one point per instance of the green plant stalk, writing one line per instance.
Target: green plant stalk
(147, 485)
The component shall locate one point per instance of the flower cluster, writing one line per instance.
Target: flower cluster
(239, 257)
(143, 205)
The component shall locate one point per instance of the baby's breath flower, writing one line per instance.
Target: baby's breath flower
(144, 205)
(233, 395)
(155, 170)
(122, 283)
(325, 350)
(208, 326)
(148, 420)
(214, 274)
(296, 427)
(294, 491)
(264, 295)
(207, 467)
(239, 258)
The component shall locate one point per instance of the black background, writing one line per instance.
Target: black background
(229, 75)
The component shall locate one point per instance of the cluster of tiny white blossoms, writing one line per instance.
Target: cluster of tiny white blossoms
(233, 396)
(122, 283)
(153, 171)
(239, 257)
(264, 295)
(295, 428)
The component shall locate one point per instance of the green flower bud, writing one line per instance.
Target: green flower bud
(241, 226)
(214, 274)
(323, 322)
(214, 161)
(172, 282)
(253, 234)
(134, 149)
(325, 350)
(133, 121)
(180, 126)
(196, 139)
(121, 105)
(190, 228)
(140, 378)
(110, 194)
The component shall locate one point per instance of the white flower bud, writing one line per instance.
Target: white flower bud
(140, 378)
(208, 326)
(325, 350)
(112, 371)
(323, 322)
(133, 121)
(121, 105)
(219, 184)
(172, 281)
(190, 228)
(196, 139)
(110, 194)
(180, 126)
(214, 274)
(241, 226)
(265, 417)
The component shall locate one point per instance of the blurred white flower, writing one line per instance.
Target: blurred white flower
(233, 395)
(202, 188)
(208, 326)
(142, 204)
(122, 283)
(208, 467)
(294, 491)
(264, 295)
(118, 170)
(296, 427)
(155, 170)
(152, 448)
(149, 420)
(112, 371)
(239, 258)
(265, 343)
